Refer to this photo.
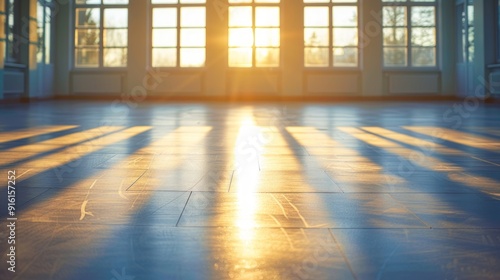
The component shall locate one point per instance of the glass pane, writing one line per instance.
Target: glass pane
(345, 16)
(88, 1)
(193, 1)
(423, 57)
(267, 37)
(314, 37)
(316, 57)
(394, 36)
(316, 16)
(267, 57)
(193, 17)
(87, 37)
(165, 37)
(164, 1)
(267, 16)
(267, 1)
(115, 18)
(164, 57)
(423, 16)
(115, 38)
(87, 17)
(423, 36)
(116, 57)
(240, 57)
(48, 35)
(345, 37)
(87, 57)
(240, 16)
(394, 16)
(395, 56)
(240, 1)
(193, 37)
(192, 57)
(345, 57)
(240, 37)
(122, 2)
(164, 17)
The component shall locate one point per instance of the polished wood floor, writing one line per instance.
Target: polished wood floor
(108, 190)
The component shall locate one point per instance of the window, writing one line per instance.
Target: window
(101, 35)
(330, 33)
(12, 31)
(254, 33)
(498, 31)
(44, 16)
(409, 28)
(178, 33)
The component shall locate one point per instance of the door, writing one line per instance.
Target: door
(465, 47)
(45, 65)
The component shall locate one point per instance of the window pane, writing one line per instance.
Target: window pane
(345, 16)
(164, 1)
(115, 38)
(423, 57)
(345, 57)
(88, 1)
(193, 17)
(394, 16)
(164, 17)
(164, 57)
(267, 57)
(87, 17)
(87, 37)
(267, 16)
(345, 37)
(394, 36)
(192, 57)
(115, 57)
(193, 1)
(267, 37)
(122, 2)
(314, 37)
(115, 18)
(423, 16)
(423, 36)
(240, 37)
(316, 16)
(164, 37)
(240, 57)
(87, 57)
(316, 57)
(240, 16)
(193, 37)
(395, 56)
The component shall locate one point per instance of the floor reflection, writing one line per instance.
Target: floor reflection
(247, 191)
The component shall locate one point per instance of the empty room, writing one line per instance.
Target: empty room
(249, 139)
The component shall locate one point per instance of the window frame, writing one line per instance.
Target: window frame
(408, 4)
(178, 6)
(101, 7)
(330, 27)
(253, 4)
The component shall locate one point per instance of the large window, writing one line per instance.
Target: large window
(101, 35)
(409, 33)
(498, 31)
(330, 33)
(178, 33)
(44, 17)
(254, 33)
(12, 31)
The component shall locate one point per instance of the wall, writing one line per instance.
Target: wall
(290, 80)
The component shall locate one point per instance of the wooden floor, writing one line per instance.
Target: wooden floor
(108, 190)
